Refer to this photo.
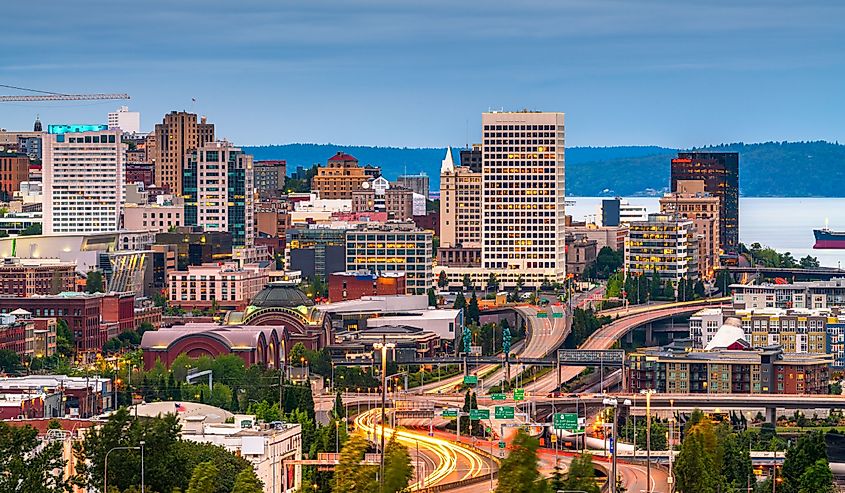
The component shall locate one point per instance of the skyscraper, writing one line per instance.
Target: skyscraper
(177, 135)
(460, 205)
(84, 179)
(720, 173)
(219, 191)
(128, 121)
(523, 216)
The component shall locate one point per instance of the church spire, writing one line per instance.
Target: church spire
(448, 165)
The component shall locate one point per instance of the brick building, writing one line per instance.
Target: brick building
(355, 285)
(339, 178)
(14, 168)
(30, 277)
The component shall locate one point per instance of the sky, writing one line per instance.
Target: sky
(676, 73)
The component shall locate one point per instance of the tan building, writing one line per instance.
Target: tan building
(580, 252)
(399, 203)
(272, 222)
(154, 217)
(339, 178)
(692, 202)
(14, 169)
(460, 205)
(225, 284)
(36, 276)
(177, 135)
(605, 236)
(364, 200)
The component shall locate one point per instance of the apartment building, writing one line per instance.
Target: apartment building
(225, 285)
(36, 276)
(339, 178)
(664, 243)
(692, 202)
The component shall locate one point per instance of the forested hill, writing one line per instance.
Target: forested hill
(771, 169)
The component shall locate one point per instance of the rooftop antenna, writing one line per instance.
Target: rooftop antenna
(467, 134)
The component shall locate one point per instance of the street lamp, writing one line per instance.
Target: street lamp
(647, 393)
(383, 347)
(106, 465)
(614, 403)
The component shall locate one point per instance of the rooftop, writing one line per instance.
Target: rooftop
(281, 295)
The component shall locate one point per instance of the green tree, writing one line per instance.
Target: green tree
(518, 472)
(25, 466)
(467, 282)
(339, 409)
(32, 230)
(808, 262)
(473, 312)
(520, 283)
(10, 362)
(581, 475)
(492, 283)
(203, 478)
(460, 301)
(655, 286)
(809, 449)
(818, 478)
(694, 468)
(432, 297)
(350, 475)
(397, 467)
(442, 280)
(65, 341)
(247, 482)
(94, 282)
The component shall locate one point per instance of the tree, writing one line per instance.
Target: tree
(460, 301)
(247, 482)
(339, 409)
(432, 297)
(723, 281)
(809, 262)
(520, 283)
(581, 475)
(94, 282)
(473, 312)
(10, 362)
(32, 230)
(27, 468)
(809, 449)
(203, 478)
(655, 286)
(492, 282)
(694, 468)
(467, 282)
(518, 472)
(818, 478)
(397, 467)
(442, 280)
(350, 475)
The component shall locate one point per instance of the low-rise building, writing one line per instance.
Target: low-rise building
(407, 310)
(36, 276)
(154, 217)
(26, 336)
(392, 247)
(196, 247)
(411, 343)
(355, 285)
(225, 285)
(580, 253)
(806, 294)
(54, 396)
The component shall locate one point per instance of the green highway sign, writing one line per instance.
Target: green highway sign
(479, 414)
(449, 413)
(519, 394)
(565, 421)
(542, 315)
(504, 412)
(471, 379)
(557, 314)
(498, 397)
(501, 444)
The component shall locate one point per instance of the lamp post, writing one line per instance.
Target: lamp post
(106, 466)
(614, 403)
(383, 346)
(647, 393)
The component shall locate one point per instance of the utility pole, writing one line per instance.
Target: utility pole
(383, 345)
(648, 393)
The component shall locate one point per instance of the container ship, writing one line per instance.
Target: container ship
(827, 239)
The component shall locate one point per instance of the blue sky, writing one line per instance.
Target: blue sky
(676, 73)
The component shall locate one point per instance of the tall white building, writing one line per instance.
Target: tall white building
(523, 192)
(128, 121)
(84, 179)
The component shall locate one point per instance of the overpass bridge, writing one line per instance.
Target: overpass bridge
(792, 274)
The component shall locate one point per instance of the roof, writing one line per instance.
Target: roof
(342, 156)
(379, 304)
(729, 334)
(280, 295)
(233, 336)
(183, 409)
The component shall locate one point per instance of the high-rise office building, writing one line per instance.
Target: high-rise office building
(666, 244)
(84, 179)
(460, 205)
(523, 215)
(720, 173)
(692, 202)
(219, 193)
(339, 178)
(418, 183)
(128, 121)
(471, 158)
(174, 138)
(270, 178)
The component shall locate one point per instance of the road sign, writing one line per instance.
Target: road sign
(542, 315)
(471, 379)
(504, 412)
(498, 397)
(557, 314)
(449, 413)
(565, 421)
(554, 438)
(519, 394)
(479, 414)
(501, 444)
(609, 357)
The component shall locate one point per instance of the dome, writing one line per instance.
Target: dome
(280, 295)
(729, 334)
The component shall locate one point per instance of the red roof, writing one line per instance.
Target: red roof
(342, 156)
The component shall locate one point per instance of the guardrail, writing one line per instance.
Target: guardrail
(468, 481)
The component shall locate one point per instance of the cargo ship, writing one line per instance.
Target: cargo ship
(827, 239)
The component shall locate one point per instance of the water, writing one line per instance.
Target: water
(785, 224)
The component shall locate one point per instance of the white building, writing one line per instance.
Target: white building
(128, 121)
(665, 244)
(84, 179)
(522, 204)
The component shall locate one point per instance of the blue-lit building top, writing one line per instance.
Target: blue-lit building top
(74, 129)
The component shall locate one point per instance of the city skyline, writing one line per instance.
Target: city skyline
(269, 74)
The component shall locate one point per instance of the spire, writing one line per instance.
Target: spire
(37, 126)
(448, 165)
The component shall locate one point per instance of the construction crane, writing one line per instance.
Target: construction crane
(55, 96)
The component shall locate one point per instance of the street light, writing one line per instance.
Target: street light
(647, 393)
(106, 465)
(383, 347)
(614, 403)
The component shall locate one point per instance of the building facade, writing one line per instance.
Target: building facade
(153, 217)
(125, 120)
(316, 251)
(523, 180)
(270, 178)
(355, 285)
(14, 169)
(418, 183)
(84, 179)
(31, 277)
(663, 243)
(225, 285)
(692, 202)
(720, 173)
(219, 191)
(392, 247)
(339, 178)
(460, 205)
(174, 138)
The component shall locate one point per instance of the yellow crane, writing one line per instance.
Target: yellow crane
(55, 96)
